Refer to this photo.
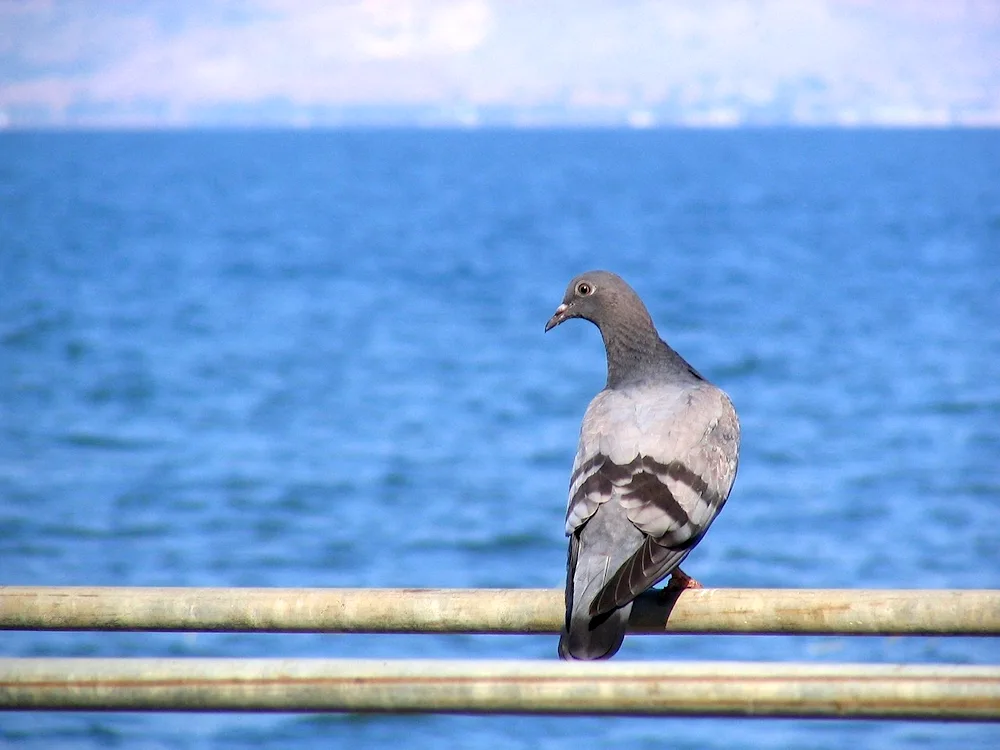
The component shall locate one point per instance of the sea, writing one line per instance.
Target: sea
(317, 359)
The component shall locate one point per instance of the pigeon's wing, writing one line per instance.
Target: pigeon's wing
(668, 457)
(596, 550)
(602, 539)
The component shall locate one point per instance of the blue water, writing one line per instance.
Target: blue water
(317, 359)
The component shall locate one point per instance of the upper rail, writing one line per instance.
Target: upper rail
(525, 611)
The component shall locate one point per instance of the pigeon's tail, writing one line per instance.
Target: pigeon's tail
(598, 637)
(596, 551)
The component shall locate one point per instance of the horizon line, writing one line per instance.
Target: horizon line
(83, 127)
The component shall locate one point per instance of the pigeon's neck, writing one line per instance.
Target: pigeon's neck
(636, 353)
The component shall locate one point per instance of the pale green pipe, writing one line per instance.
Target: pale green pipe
(814, 611)
(505, 687)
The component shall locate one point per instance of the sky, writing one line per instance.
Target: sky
(163, 63)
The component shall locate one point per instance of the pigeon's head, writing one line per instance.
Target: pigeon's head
(595, 296)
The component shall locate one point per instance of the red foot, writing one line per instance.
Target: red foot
(680, 580)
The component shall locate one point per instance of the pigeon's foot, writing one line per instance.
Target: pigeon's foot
(679, 580)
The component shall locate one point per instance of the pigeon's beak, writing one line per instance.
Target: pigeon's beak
(558, 318)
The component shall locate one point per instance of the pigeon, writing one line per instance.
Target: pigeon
(657, 458)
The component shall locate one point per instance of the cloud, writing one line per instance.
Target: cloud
(305, 52)
(405, 29)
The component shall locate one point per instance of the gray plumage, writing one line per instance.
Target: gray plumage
(656, 460)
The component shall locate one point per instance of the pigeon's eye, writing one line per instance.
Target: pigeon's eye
(583, 288)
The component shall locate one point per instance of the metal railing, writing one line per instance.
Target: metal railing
(952, 692)
(525, 611)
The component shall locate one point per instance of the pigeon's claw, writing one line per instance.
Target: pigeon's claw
(679, 580)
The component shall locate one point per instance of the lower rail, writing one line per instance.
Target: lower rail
(957, 693)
